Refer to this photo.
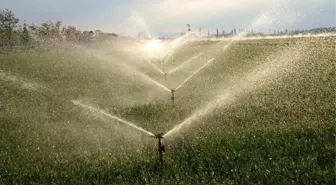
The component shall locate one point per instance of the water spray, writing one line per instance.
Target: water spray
(161, 147)
(159, 137)
(186, 62)
(157, 68)
(172, 91)
(281, 63)
(111, 117)
(186, 80)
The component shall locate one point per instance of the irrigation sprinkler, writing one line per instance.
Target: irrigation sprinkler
(159, 137)
(172, 91)
(161, 147)
(173, 95)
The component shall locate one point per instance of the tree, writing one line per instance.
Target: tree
(25, 35)
(8, 22)
(100, 36)
(71, 34)
(48, 32)
(87, 36)
(33, 31)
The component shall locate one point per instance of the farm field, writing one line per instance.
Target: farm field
(259, 112)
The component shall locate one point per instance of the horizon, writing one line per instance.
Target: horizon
(169, 18)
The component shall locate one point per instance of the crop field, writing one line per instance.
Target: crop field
(256, 111)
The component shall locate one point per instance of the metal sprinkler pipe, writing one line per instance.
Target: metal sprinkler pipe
(161, 147)
(173, 95)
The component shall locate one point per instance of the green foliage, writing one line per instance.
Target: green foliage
(50, 32)
(25, 35)
(283, 133)
(8, 22)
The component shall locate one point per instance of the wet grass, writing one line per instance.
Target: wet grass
(283, 133)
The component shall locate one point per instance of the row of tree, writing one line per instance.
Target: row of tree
(11, 33)
(251, 32)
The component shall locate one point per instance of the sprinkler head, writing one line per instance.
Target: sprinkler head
(161, 148)
(159, 136)
(172, 91)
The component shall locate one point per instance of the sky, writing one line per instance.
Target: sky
(168, 17)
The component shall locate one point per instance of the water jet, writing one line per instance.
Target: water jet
(159, 137)
(186, 62)
(186, 80)
(78, 103)
(279, 64)
(156, 68)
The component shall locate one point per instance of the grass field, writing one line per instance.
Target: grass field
(274, 123)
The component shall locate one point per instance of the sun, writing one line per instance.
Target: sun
(153, 45)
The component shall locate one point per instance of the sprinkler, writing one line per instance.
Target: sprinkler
(172, 95)
(165, 75)
(161, 148)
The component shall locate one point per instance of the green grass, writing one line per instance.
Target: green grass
(282, 133)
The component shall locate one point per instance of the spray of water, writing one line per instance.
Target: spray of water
(284, 14)
(127, 69)
(199, 69)
(112, 117)
(237, 37)
(167, 57)
(145, 77)
(269, 18)
(290, 36)
(156, 68)
(279, 64)
(22, 82)
(175, 43)
(184, 63)
(158, 84)
(138, 23)
(162, 51)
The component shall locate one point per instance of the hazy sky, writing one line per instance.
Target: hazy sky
(162, 17)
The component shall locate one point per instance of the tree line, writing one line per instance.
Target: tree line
(251, 32)
(11, 33)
